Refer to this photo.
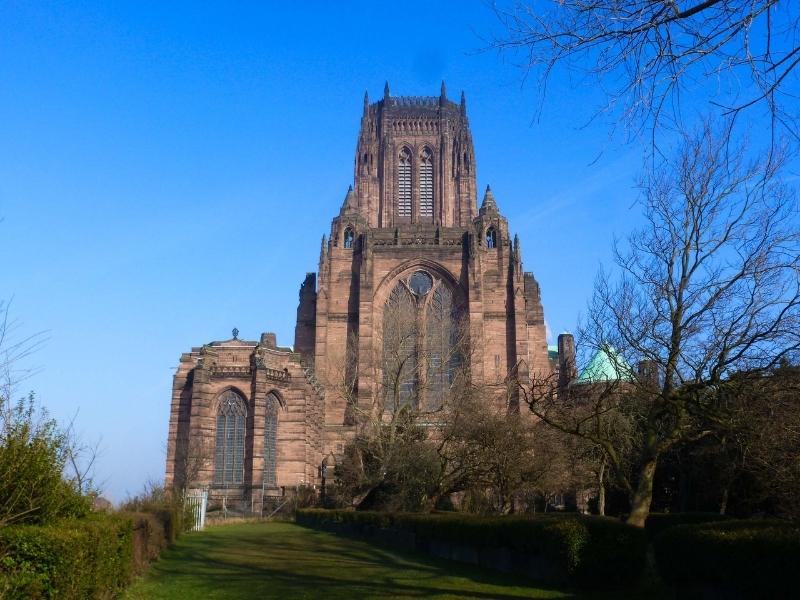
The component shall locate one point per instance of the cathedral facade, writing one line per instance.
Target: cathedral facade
(410, 269)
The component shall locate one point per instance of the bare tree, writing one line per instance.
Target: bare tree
(709, 286)
(14, 349)
(650, 58)
(760, 439)
(81, 459)
(422, 366)
(190, 460)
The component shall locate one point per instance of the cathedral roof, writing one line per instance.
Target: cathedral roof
(606, 365)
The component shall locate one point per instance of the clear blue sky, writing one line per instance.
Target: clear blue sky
(167, 171)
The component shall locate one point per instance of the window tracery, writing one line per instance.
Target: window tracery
(421, 342)
(271, 440)
(426, 183)
(349, 236)
(229, 447)
(404, 184)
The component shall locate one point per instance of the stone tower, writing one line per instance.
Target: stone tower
(410, 268)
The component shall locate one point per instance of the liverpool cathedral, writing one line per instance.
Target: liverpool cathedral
(410, 268)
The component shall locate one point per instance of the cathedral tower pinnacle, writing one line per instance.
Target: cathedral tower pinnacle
(415, 162)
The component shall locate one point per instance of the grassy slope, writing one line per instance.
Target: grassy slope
(272, 560)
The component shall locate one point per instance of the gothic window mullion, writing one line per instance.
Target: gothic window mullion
(230, 440)
(421, 373)
(426, 185)
(404, 190)
(271, 441)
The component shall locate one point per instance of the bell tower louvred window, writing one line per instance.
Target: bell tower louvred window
(426, 184)
(404, 184)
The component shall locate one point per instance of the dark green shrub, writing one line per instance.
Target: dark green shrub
(81, 558)
(658, 522)
(151, 535)
(594, 551)
(32, 458)
(748, 559)
(166, 505)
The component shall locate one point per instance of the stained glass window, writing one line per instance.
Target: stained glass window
(442, 348)
(271, 440)
(229, 449)
(420, 283)
(421, 342)
(400, 347)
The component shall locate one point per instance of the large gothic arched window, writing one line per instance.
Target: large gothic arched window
(229, 449)
(421, 342)
(426, 183)
(271, 440)
(404, 184)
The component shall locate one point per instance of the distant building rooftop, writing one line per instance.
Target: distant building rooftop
(606, 365)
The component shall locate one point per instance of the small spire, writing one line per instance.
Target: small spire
(443, 92)
(323, 249)
(366, 100)
(386, 91)
(349, 200)
(463, 103)
(489, 204)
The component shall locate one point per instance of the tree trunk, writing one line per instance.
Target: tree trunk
(601, 490)
(723, 505)
(643, 494)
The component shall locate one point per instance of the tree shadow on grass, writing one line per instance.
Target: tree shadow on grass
(278, 559)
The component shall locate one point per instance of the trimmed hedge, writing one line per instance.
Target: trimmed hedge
(594, 551)
(734, 559)
(94, 557)
(659, 522)
(82, 558)
(152, 533)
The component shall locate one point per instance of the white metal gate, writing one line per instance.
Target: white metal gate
(198, 502)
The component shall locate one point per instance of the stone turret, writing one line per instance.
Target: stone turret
(567, 368)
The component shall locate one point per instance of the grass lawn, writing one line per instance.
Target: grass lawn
(284, 560)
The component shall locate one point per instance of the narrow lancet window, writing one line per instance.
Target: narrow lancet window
(348, 238)
(229, 449)
(271, 440)
(491, 238)
(404, 184)
(426, 184)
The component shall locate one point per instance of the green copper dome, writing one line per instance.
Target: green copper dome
(606, 365)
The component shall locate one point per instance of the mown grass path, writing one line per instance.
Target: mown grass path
(284, 560)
